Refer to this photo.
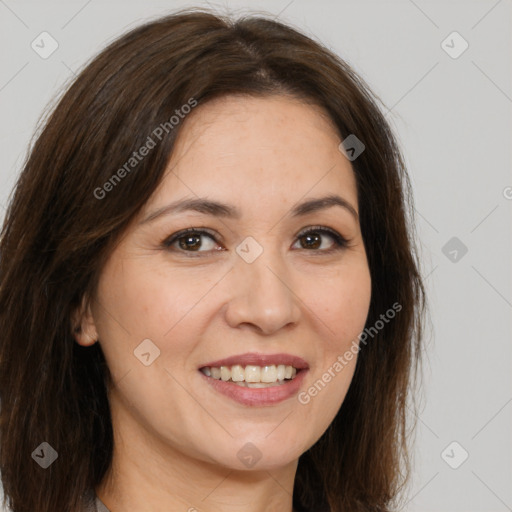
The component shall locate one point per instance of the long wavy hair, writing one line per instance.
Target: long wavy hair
(58, 233)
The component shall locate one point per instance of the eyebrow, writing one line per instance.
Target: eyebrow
(219, 209)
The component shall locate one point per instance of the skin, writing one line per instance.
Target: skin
(176, 438)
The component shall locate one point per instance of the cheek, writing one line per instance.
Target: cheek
(139, 302)
(342, 303)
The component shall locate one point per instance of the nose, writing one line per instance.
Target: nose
(262, 295)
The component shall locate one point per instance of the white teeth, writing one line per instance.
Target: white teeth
(237, 373)
(252, 375)
(260, 384)
(269, 373)
(225, 374)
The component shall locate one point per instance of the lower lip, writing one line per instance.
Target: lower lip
(257, 396)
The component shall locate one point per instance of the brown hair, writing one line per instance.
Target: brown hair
(57, 234)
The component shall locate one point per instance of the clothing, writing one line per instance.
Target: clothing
(93, 503)
(100, 506)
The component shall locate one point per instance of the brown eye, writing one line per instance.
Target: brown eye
(192, 242)
(189, 240)
(313, 238)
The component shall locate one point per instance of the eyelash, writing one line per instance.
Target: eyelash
(339, 241)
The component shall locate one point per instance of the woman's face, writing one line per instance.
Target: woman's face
(253, 288)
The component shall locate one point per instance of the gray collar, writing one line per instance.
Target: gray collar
(100, 506)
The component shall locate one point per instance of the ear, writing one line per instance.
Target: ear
(83, 326)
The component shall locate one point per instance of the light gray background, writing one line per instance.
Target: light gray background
(453, 119)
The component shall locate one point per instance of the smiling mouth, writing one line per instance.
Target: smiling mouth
(252, 376)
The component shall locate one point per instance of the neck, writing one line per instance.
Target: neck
(152, 475)
(207, 489)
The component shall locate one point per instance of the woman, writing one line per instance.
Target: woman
(209, 290)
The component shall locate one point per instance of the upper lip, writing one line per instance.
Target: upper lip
(252, 358)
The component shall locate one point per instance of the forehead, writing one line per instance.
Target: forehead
(257, 149)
